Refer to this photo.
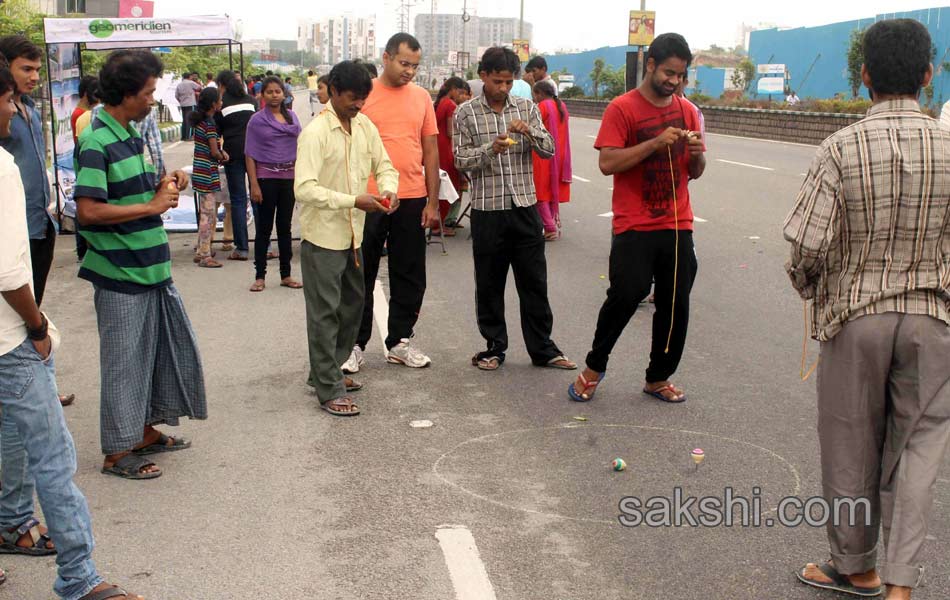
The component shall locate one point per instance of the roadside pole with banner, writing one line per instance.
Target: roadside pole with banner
(523, 49)
(63, 62)
(641, 31)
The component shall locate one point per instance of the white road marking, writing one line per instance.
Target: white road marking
(579, 178)
(421, 424)
(381, 314)
(741, 164)
(739, 137)
(593, 137)
(699, 219)
(608, 215)
(466, 570)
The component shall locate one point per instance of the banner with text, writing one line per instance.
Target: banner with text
(64, 95)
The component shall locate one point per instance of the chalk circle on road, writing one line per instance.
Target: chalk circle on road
(565, 471)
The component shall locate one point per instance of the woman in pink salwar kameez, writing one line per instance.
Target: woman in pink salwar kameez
(552, 176)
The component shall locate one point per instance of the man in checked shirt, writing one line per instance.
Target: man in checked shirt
(494, 136)
(870, 236)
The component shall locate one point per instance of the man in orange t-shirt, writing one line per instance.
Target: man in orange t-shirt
(405, 117)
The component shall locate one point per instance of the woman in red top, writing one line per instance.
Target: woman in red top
(552, 176)
(454, 91)
(88, 98)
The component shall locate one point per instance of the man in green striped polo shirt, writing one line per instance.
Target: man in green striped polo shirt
(150, 366)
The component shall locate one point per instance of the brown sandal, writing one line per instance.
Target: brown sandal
(209, 263)
(289, 282)
(257, 286)
(351, 408)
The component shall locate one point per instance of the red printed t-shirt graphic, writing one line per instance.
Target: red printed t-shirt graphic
(403, 115)
(643, 195)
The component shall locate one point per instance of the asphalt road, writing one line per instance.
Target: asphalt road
(277, 499)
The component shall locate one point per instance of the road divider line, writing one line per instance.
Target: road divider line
(593, 137)
(607, 215)
(579, 178)
(381, 314)
(466, 569)
(742, 164)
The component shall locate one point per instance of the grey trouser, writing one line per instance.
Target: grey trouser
(884, 427)
(333, 291)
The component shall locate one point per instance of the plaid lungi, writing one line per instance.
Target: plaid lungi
(149, 362)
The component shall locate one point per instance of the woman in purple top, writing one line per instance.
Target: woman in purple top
(270, 152)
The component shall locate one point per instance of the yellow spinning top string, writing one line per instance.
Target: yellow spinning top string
(802, 372)
(676, 250)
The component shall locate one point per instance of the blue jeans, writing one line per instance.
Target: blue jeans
(185, 122)
(38, 454)
(236, 172)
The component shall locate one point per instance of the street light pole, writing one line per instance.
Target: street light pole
(521, 23)
(643, 6)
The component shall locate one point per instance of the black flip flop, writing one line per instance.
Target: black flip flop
(162, 446)
(487, 363)
(130, 467)
(839, 583)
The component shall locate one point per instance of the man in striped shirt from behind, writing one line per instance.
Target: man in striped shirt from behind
(870, 247)
(150, 367)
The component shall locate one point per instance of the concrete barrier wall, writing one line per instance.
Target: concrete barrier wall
(781, 125)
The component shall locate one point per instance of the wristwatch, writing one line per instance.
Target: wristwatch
(39, 334)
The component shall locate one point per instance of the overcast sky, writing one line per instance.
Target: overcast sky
(584, 25)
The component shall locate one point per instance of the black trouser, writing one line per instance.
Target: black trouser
(41, 255)
(503, 239)
(407, 268)
(637, 259)
(186, 123)
(277, 199)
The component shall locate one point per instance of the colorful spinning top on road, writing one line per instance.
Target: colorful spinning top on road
(618, 464)
(698, 456)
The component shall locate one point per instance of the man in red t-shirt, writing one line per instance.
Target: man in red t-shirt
(649, 141)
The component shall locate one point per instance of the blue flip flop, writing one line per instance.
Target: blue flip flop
(658, 394)
(590, 388)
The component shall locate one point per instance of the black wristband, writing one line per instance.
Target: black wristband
(39, 334)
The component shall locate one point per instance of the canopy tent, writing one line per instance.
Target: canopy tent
(66, 37)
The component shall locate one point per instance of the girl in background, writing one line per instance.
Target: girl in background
(204, 179)
(450, 96)
(270, 153)
(552, 177)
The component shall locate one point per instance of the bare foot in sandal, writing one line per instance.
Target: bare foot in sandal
(827, 577)
(258, 285)
(107, 591)
(39, 545)
(132, 467)
(341, 407)
(290, 282)
(665, 391)
(586, 384)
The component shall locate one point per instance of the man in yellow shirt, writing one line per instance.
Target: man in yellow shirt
(336, 154)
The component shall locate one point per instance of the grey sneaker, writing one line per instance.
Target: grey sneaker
(404, 354)
(354, 362)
